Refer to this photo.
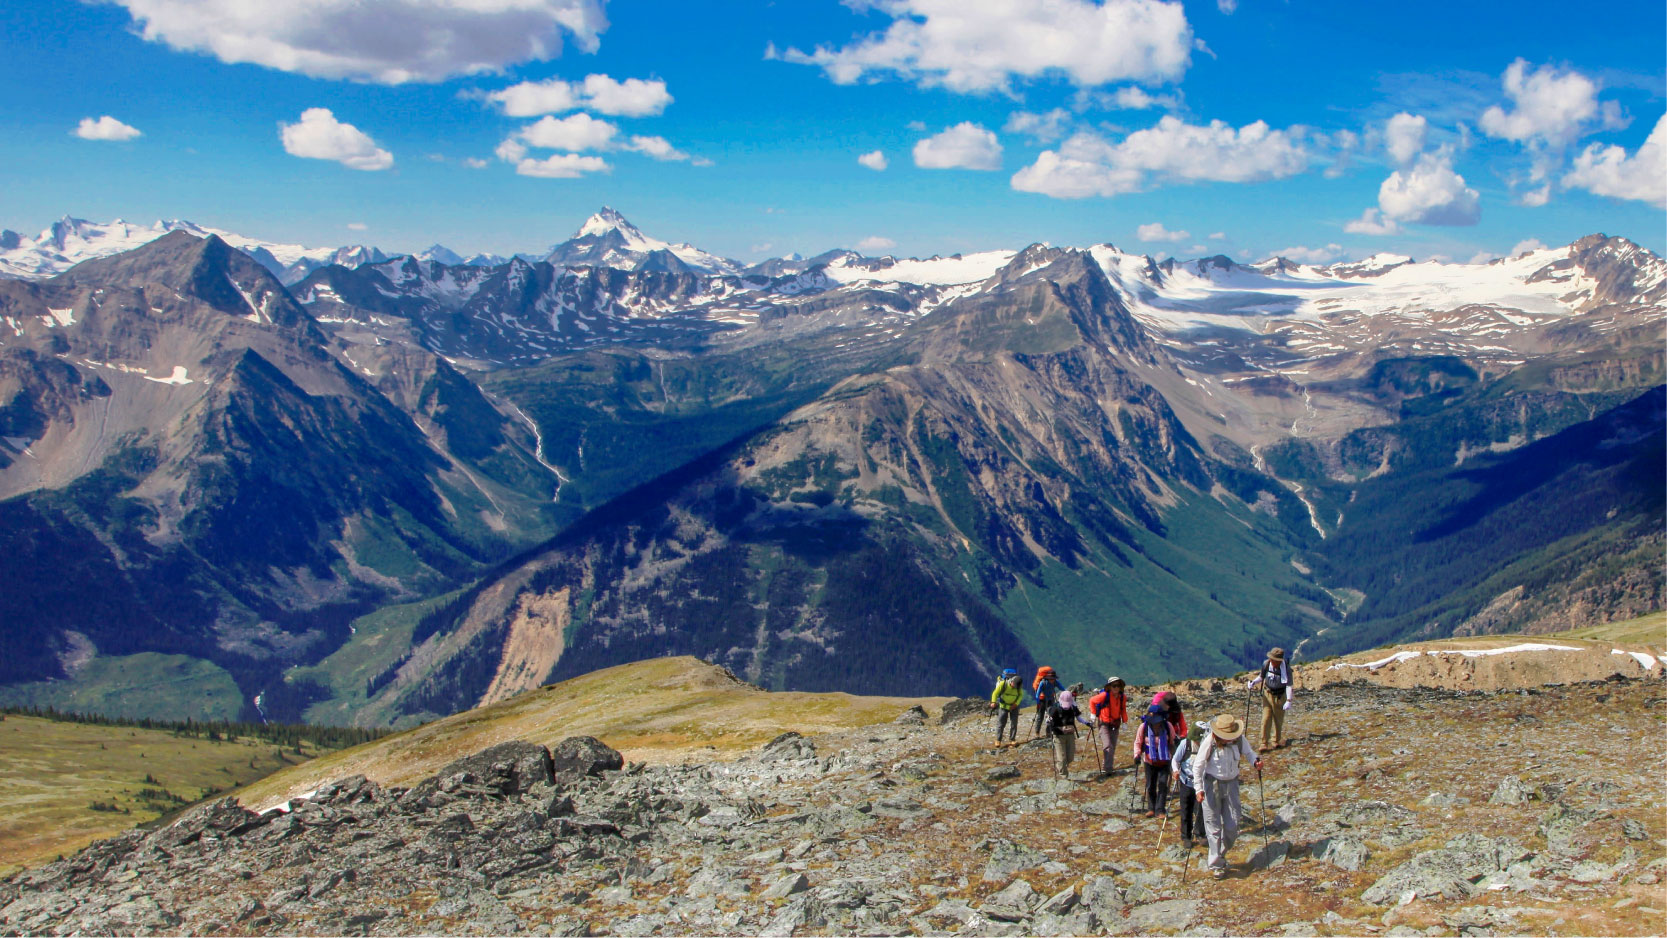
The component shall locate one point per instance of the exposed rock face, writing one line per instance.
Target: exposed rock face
(900, 829)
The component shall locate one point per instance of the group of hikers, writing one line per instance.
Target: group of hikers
(1202, 761)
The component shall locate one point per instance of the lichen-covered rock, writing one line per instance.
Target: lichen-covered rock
(579, 757)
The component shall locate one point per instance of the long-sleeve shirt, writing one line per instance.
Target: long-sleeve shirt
(1284, 678)
(1007, 695)
(1182, 763)
(1220, 762)
(1061, 717)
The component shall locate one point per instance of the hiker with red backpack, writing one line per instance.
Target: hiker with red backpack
(1154, 746)
(1110, 709)
(1275, 679)
(1047, 689)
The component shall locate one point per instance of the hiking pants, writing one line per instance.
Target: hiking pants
(1008, 720)
(1107, 733)
(1273, 717)
(1064, 750)
(1192, 813)
(1157, 786)
(1221, 818)
(1041, 714)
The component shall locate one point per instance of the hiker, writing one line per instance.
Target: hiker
(1275, 679)
(1154, 745)
(1192, 814)
(1006, 698)
(1063, 718)
(1047, 688)
(1172, 712)
(1215, 770)
(1110, 709)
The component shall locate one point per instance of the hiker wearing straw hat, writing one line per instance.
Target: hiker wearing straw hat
(1275, 680)
(1216, 770)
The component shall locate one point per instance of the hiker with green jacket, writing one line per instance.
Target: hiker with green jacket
(1006, 698)
(1215, 769)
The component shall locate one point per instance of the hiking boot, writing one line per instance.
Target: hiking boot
(1218, 874)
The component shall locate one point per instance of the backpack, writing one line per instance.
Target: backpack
(1273, 676)
(1157, 744)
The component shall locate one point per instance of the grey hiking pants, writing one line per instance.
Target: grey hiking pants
(1221, 818)
(1107, 733)
(1008, 720)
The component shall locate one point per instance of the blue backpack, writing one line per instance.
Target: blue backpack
(1157, 746)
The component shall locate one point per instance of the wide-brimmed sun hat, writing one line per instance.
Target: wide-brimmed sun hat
(1227, 727)
(1277, 653)
(1114, 681)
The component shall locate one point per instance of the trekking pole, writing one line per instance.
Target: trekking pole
(1186, 866)
(1261, 796)
(1161, 829)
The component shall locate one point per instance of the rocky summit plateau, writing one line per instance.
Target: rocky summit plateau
(1530, 807)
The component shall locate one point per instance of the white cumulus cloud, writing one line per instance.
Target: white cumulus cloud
(1173, 150)
(1609, 171)
(387, 41)
(319, 136)
(1549, 106)
(963, 146)
(1303, 254)
(874, 160)
(1042, 128)
(475, 162)
(562, 166)
(105, 128)
(1526, 245)
(633, 97)
(875, 243)
(1403, 136)
(1429, 192)
(1372, 222)
(983, 45)
(357, 226)
(1157, 232)
(657, 147)
(574, 133)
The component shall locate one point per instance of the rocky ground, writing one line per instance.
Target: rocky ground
(1393, 812)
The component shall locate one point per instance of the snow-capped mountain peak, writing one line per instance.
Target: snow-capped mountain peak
(607, 239)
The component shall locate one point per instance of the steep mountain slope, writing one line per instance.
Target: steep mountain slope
(191, 470)
(1014, 489)
(829, 472)
(1564, 531)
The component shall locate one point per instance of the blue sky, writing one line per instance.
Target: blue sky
(1246, 128)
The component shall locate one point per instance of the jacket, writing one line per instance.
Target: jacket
(1047, 691)
(1140, 739)
(1061, 717)
(1008, 694)
(1109, 709)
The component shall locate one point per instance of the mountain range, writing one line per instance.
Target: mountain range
(355, 488)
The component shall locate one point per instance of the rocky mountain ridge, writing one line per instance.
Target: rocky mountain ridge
(1022, 453)
(922, 827)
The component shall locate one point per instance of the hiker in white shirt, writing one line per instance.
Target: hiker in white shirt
(1275, 680)
(1215, 769)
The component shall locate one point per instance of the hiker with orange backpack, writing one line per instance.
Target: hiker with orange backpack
(1110, 709)
(1047, 689)
(1154, 746)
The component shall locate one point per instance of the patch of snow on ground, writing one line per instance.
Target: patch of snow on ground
(65, 317)
(1647, 660)
(177, 378)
